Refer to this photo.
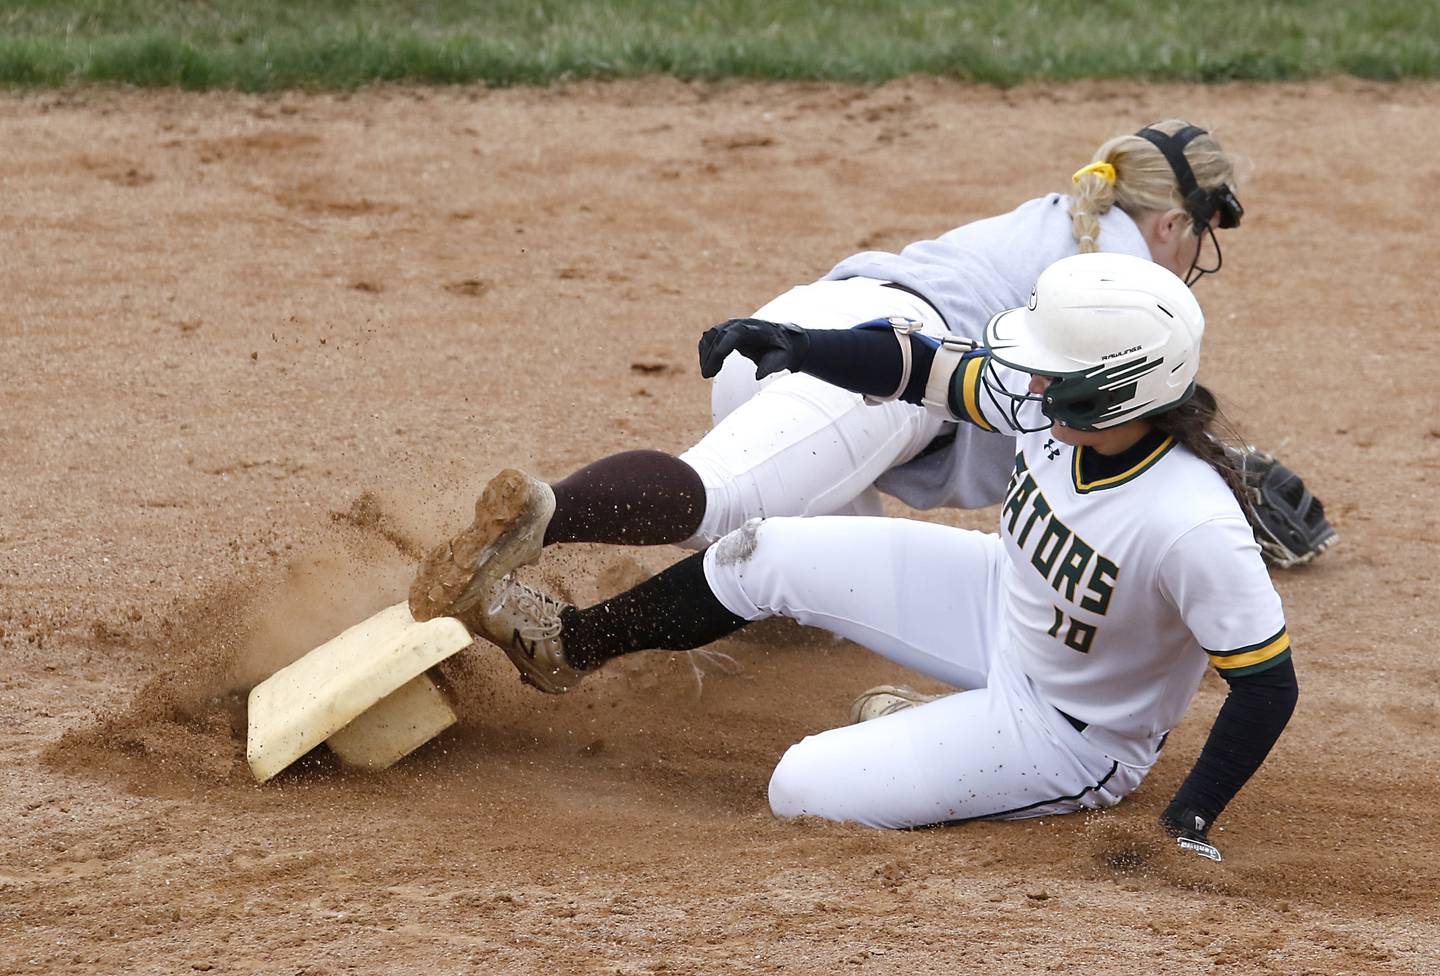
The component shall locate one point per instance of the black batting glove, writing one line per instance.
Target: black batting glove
(1190, 828)
(771, 346)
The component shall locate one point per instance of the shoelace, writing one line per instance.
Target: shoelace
(541, 608)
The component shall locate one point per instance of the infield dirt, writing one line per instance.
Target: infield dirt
(260, 353)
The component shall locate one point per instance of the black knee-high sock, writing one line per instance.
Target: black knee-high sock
(675, 611)
(637, 498)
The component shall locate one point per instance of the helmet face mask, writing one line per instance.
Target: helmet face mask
(1118, 336)
(1083, 401)
(1091, 400)
(1202, 205)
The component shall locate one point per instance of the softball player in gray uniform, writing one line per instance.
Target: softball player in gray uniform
(787, 444)
(1124, 563)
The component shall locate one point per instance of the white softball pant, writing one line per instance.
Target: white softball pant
(931, 598)
(794, 445)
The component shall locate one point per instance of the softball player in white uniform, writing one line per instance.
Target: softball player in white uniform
(1123, 564)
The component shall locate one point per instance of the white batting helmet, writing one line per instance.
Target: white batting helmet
(1119, 336)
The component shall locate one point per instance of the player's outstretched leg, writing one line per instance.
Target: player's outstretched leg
(828, 572)
(553, 645)
(635, 498)
(797, 447)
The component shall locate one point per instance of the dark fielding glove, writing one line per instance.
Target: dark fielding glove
(1189, 829)
(771, 346)
(1290, 523)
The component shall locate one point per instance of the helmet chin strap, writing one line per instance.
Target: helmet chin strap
(1196, 272)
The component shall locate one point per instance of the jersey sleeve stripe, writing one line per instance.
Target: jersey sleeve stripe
(1280, 634)
(970, 389)
(1230, 662)
(1265, 665)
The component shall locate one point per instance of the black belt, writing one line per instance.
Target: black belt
(1075, 723)
(942, 440)
(911, 291)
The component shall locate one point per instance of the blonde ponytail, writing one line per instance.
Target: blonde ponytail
(1093, 194)
(1143, 181)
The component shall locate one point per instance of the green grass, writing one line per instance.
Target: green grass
(262, 45)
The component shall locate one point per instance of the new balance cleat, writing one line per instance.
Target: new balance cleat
(525, 624)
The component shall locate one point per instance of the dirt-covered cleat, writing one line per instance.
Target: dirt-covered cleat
(511, 516)
(525, 624)
(886, 700)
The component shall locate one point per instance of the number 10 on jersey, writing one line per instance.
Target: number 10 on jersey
(1078, 634)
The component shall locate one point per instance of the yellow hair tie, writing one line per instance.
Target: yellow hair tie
(1104, 170)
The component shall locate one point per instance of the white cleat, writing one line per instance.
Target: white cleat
(885, 700)
(525, 624)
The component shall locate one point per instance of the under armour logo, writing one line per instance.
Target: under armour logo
(1051, 451)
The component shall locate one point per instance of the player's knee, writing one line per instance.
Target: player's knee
(792, 784)
(725, 508)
